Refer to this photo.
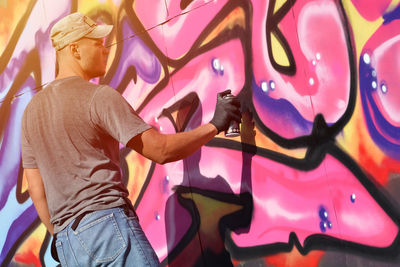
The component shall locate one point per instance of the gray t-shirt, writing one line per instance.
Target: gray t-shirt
(71, 131)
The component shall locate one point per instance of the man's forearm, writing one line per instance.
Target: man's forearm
(163, 148)
(183, 144)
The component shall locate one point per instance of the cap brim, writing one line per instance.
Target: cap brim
(100, 31)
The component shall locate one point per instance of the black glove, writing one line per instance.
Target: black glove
(226, 110)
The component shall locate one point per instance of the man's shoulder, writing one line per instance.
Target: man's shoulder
(35, 98)
(104, 90)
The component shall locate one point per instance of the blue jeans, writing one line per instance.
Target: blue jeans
(105, 238)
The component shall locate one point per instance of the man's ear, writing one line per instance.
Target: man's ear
(74, 49)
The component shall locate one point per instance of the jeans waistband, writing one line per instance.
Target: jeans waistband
(128, 210)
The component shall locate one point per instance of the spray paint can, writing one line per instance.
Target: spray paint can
(234, 128)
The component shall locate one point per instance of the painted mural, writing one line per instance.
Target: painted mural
(314, 178)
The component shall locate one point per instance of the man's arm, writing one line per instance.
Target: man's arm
(163, 148)
(38, 196)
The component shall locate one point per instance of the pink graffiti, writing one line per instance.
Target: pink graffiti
(320, 54)
(214, 71)
(371, 9)
(298, 213)
(288, 200)
(378, 52)
(186, 27)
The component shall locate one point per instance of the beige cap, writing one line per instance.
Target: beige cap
(75, 26)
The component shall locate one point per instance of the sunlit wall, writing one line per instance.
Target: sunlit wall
(314, 178)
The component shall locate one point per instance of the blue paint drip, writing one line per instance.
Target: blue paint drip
(353, 198)
(392, 15)
(221, 71)
(384, 87)
(323, 213)
(322, 226)
(165, 184)
(215, 65)
(272, 85)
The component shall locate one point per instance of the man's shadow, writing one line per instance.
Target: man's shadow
(203, 210)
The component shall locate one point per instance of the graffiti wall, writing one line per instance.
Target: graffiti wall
(314, 178)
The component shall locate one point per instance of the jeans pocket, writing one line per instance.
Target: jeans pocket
(101, 238)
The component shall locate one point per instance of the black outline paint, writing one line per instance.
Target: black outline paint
(319, 142)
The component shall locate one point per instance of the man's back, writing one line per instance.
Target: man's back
(79, 160)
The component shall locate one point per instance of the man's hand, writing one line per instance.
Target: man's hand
(226, 110)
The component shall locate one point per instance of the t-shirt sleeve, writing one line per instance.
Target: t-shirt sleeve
(110, 111)
(28, 157)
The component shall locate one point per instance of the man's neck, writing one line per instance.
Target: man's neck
(69, 73)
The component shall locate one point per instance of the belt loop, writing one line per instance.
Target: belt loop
(77, 221)
(126, 209)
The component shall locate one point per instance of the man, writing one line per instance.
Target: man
(71, 132)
